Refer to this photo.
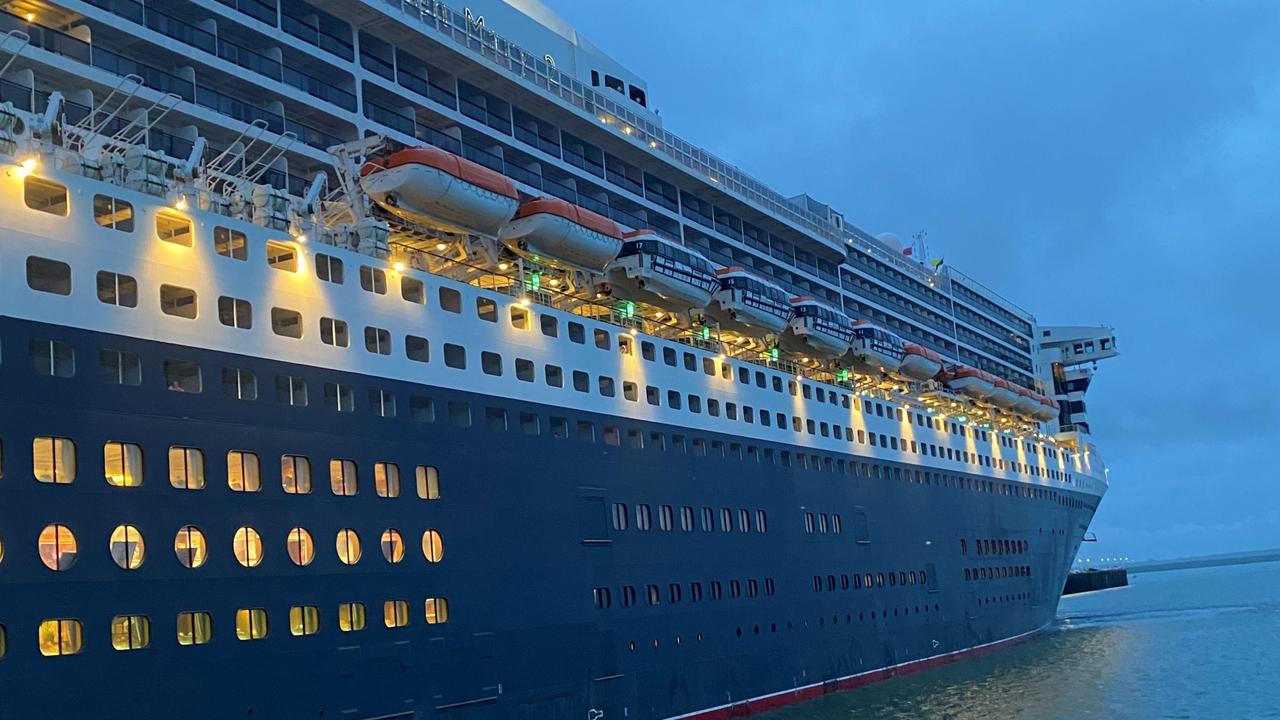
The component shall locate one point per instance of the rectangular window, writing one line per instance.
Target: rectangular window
(395, 613)
(117, 289)
(334, 332)
(486, 309)
(428, 482)
(417, 348)
(412, 290)
(550, 326)
(194, 628)
(450, 300)
(581, 381)
(338, 396)
(351, 616)
(295, 474)
(44, 195)
(282, 256)
(174, 228)
(422, 408)
(342, 477)
(373, 280)
(61, 637)
(606, 386)
(291, 390)
(251, 623)
(524, 370)
(53, 358)
(555, 376)
(234, 312)
(51, 276)
(455, 356)
(519, 318)
(491, 363)
(122, 464)
(182, 376)
(186, 468)
(601, 338)
(386, 480)
(286, 323)
(230, 243)
(377, 340)
(382, 403)
(304, 620)
(178, 301)
(54, 460)
(120, 367)
(243, 472)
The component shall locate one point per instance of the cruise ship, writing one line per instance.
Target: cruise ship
(390, 359)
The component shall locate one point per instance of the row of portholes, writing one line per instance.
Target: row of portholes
(835, 620)
(59, 548)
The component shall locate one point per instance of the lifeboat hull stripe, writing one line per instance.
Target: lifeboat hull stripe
(805, 693)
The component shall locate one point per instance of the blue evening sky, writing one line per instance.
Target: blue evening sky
(1097, 162)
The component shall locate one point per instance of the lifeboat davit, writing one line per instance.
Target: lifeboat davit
(872, 349)
(919, 362)
(1048, 409)
(817, 330)
(554, 232)
(1026, 404)
(440, 189)
(749, 305)
(971, 382)
(661, 272)
(1004, 396)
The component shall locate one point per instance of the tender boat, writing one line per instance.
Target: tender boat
(437, 188)
(872, 349)
(749, 304)
(554, 232)
(1048, 409)
(919, 362)
(971, 382)
(660, 272)
(817, 329)
(1004, 395)
(1026, 404)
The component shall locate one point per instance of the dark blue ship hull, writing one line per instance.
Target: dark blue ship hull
(526, 521)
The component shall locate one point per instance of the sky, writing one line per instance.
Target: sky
(1108, 163)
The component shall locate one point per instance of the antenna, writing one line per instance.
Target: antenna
(918, 241)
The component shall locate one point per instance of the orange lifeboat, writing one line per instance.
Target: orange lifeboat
(1026, 404)
(919, 362)
(1004, 396)
(441, 190)
(971, 382)
(558, 233)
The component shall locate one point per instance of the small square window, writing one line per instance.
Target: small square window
(329, 268)
(174, 228)
(373, 280)
(232, 243)
(287, 323)
(450, 300)
(178, 301)
(45, 195)
(182, 376)
(51, 276)
(412, 290)
(282, 256)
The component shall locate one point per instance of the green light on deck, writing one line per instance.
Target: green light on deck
(705, 333)
(629, 309)
(773, 353)
(844, 375)
(535, 280)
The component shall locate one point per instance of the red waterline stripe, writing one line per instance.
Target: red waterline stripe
(805, 693)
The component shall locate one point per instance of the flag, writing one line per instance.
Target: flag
(907, 251)
(936, 263)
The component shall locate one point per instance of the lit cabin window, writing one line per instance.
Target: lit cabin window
(234, 312)
(295, 474)
(58, 547)
(61, 637)
(130, 632)
(334, 332)
(437, 610)
(230, 243)
(113, 213)
(519, 318)
(120, 367)
(239, 383)
(339, 397)
(54, 460)
(247, 546)
(178, 301)
(329, 268)
(373, 280)
(243, 471)
(432, 546)
(282, 256)
(486, 309)
(301, 548)
(304, 620)
(348, 546)
(53, 358)
(392, 545)
(412, 290)
(45, 195)
(377, 340)
(127, 548)
(386, 479)
(183, 376)
(117, 289)
(291, 390)
(251, 623)
(186, 468)
(195, 628)
(51, 276)
(428, 480)
(4, 642)
(417, 348)
(395, 613)
(123, 464)
(286, 323)
(174, 228)
(351, 616)
(342, 477)
(190, 547)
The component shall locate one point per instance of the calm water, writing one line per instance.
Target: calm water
(1183, 644)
